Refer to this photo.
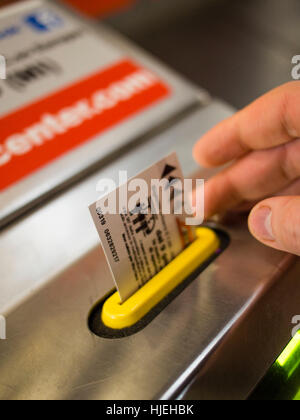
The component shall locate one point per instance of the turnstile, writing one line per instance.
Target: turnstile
(219, 336)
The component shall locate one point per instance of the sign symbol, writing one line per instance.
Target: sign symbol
(168, 169)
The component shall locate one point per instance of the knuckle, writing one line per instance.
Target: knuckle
(290, 223)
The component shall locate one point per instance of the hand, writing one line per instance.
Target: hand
(262, 146)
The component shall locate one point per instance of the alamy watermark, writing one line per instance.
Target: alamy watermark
(161, 196)
(296, 68)
(2, 67)
(2, 328)
(296, 322)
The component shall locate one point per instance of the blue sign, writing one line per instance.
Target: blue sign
(44, 21)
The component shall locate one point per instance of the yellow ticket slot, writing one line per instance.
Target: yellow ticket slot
(117, 315)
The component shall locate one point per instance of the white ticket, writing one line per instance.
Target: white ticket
(140, 239)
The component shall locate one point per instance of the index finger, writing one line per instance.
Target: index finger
(270, 121)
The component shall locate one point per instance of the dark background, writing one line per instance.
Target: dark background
(236, 49)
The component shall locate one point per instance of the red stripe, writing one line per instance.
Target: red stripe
(100, 7)
(23, 165)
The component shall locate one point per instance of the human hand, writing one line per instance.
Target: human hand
(262, 146)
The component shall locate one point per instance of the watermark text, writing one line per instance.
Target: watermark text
(161, 196)
(2, 67)
(2, 328)
(296, 68)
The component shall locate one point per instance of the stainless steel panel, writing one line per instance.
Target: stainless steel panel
(53, 271)
(255, 341)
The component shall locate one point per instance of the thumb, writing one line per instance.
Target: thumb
(276, 223)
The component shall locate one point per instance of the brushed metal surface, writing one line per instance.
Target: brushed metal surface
(52, 272)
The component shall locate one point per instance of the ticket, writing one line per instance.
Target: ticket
(141, 225)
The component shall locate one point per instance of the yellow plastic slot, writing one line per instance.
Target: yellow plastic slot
(117, 315)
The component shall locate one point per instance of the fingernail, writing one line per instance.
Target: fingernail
(261, 224)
